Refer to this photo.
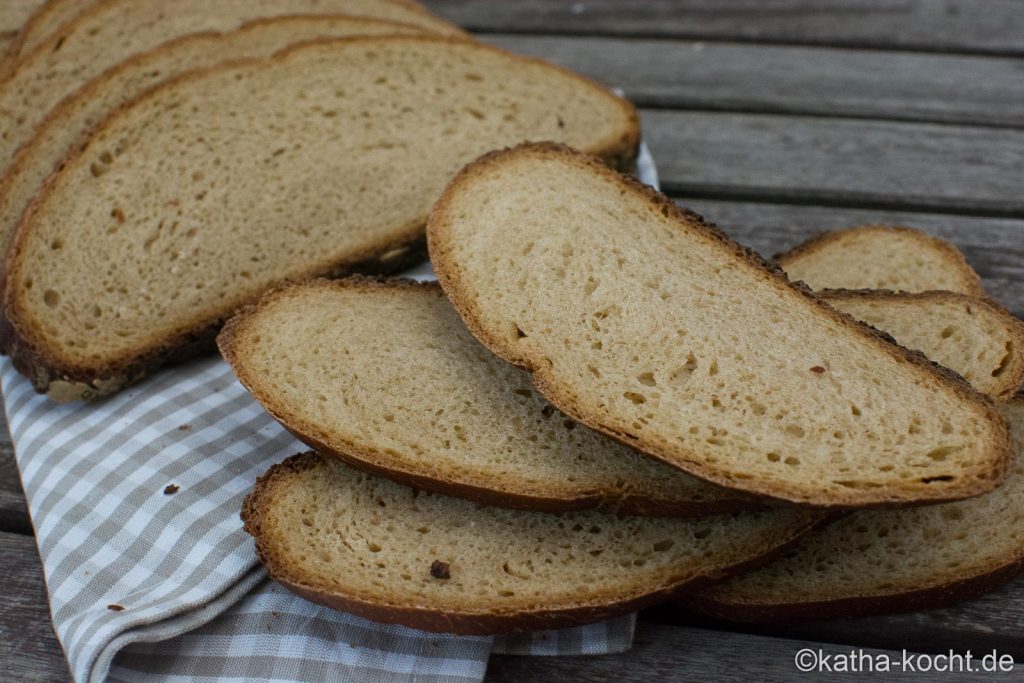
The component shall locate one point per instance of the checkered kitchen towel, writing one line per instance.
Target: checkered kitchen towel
(135, 503)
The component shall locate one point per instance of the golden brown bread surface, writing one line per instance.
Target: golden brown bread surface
(176, 213)
(877, 561)
(385, 376)
(880, 257)
(645, 323)
(363, 544)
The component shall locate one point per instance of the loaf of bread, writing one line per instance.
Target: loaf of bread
(111, 31)
(975, 337)
(366, 545)
(68, 124)
(880, 257)
(218, 185)
(642, 321)
(388, 378)
(876, 561)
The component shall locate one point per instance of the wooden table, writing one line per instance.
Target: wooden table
(774, 119)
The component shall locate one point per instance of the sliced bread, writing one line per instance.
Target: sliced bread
(220, 184)
(36, 20)
(642, 321)
(68, 124)
(880, 257)
(385, 376)
(975, 337)
(388, 378)
(877, 561)
(111, 31)
(364, 544)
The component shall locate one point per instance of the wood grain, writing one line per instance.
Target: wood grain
(867, 164)
(993, 246)
(992, 26)
(792, 80)
(29, 648)
(14, 515)
(673, 653)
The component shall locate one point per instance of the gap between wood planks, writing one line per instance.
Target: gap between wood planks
(963, 27)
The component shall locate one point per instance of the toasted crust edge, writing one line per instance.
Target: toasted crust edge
(449, 276)
(970, 280)
(75, 381)
(1012, 375)
(372, 461)
(446, 620)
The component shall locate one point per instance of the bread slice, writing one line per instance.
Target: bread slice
(36, 20)
(880, 257)
(878, 561)
(68, 124)
(387, 378)
(113, 30)
(216, 186)
(363, 544)
(975, 337)
(643, 322)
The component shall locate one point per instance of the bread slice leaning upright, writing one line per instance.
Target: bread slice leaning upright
(214, 187)
(387, 552)
(880, 257)
(644, 322)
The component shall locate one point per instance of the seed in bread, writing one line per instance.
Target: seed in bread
(644, 322)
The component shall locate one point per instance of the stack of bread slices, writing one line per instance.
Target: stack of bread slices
(602, 404)
(606, 403)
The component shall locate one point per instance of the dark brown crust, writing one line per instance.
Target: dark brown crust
(28, 350)
(1013, 373)
(822, 240)
(449, 276)
(498, 493)
(447, 620)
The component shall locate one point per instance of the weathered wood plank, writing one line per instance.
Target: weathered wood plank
(993, 246)
(29, 648)
(910, 166)
(14, 515)
(785, 79)
(981, 625)
(673, 653)
(993, 26)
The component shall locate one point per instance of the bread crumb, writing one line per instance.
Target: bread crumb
(171, 489)
(440, 570)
